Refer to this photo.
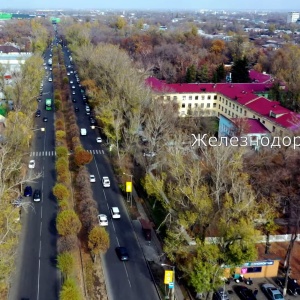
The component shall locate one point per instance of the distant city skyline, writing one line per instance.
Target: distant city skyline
(284, 5)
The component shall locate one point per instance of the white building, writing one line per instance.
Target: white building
(293, 17)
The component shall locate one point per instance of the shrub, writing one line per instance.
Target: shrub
(70, 291)
(67, 223)
(65, 263)
(67, 243)
(62, 152)
(60, 191)
(57, 104)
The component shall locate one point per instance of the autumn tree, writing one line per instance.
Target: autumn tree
(98, 241)
(60, 191)
(67, 223)
(70, 291)
(82, 157)
(65, 263)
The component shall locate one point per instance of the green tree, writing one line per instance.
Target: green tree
(191, 74)
(202, 74)
(65, 263)
(68, 223)
(70, 291)
(240, 71)
(98, 241)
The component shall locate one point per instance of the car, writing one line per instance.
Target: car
(68, 74)
(87, 108)
(87, 113)
(105, 181)
(92, 178)
(98, 140)
(73, 93)
(28, 191)
(45, 119)
(37, 195)
(271, 291)
(92, 121)
(73, 86)
(50, 69)
(102, 220)
(83, 131)
(115, 212)
(50, 79)
(244, 293)
(122, 253)
(73, 100)
(44, 64)
(71, 81)
(71, 72)
(38, 113)
(149, 154)
(31, 164)
(293, 288)
(84, 97)
(39, 99)
(220, 294)
(77, 109)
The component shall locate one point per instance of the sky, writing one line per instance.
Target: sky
(286, 5)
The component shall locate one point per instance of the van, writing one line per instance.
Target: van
(83, 131)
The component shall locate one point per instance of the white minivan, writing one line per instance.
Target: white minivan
(83, 131)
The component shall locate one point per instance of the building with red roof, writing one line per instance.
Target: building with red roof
(231, 100)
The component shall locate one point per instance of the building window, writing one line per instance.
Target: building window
(175, 98)
(169, 98)
(226, 102)
(273, 130)
(183, 105)
(254, 270)
(202, 105)
(233, 106)
(214, 105)
(222, 108)
(237, 108)
(263, 121)
(229, 104)
(236, 115)
(190, 97)
(219, 106)
(189, 105)
(241, 110)
(183, 98)
(225, 110)
(245, 113)
(253, 116)
(208, 105)
(223, 100)
(229, 112)
(202, 98)
(215, 97)
(196, 105)
(208, 97)
(196, 97)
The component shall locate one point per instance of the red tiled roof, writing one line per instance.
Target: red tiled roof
(255, 126)
(243, 93)
(260, 77)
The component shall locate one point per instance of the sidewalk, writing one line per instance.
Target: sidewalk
(152, 251)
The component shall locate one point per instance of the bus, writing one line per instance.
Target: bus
(48, 104)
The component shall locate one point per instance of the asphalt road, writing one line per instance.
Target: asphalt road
(125, 280)
(36, 274)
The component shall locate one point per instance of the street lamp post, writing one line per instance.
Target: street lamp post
(130, 193)
(173, 277)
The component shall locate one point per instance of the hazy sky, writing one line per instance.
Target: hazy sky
(291, 5)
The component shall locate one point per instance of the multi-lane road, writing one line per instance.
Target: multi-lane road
(37, 276)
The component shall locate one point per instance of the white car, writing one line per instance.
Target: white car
(105, 181)
(73, 86)
(31, 164)
(73, 93)
(71, 81)
(50, 79)
(68, 74)
(115, 212)
(87, 108)
(150, 154)
(92, 178)
(99, 140)
(102, 220)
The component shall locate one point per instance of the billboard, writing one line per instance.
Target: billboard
(128, 187)
(168, 276)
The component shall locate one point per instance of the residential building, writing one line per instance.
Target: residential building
(293, 17)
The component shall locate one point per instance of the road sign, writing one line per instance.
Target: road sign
(168, 276)
(171, 285)
(128, 187)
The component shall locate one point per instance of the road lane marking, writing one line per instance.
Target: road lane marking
(38, 287)
(127, 274)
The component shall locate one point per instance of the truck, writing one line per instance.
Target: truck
(50, 61)
(48, 104)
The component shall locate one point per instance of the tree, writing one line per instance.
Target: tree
(191, 74)
(65, 263)
(240, 71)
(68, 223)
(70, 291)
(98, 241)
(82, 157)
(60, 191)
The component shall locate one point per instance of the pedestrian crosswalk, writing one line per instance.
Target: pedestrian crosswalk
(53, 153)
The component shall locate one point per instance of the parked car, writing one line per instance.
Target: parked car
(38, 113)
(122, 253)
(45, 119)
(220, 294)
(293, 288)
(102, 220)
(92, 178)
(28, 191)
(271, 291)
(37, 196)
(244, 293)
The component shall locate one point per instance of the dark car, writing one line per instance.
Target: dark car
(28, 191)
(293, 288)
(92, 121)
(37, 196)
(38, 113)
(220, 294)
(73, 100)
(122, 253)
(244, 293)
(45, 119)
(76, 109)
